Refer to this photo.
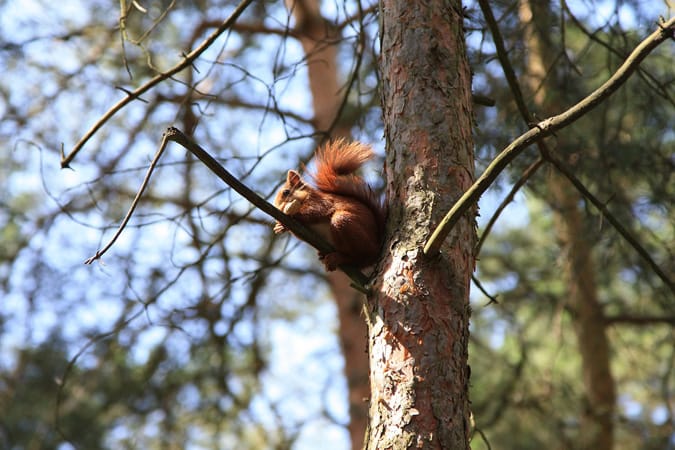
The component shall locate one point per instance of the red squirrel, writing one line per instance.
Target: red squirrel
(341, 207)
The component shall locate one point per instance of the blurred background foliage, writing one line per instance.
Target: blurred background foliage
(201, 329)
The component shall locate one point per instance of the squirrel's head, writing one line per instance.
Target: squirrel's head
(292, 193)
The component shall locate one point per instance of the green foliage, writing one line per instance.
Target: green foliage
(622, 152)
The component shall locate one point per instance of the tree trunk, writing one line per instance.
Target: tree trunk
(418, 314)
(597, 427)
(319, 40)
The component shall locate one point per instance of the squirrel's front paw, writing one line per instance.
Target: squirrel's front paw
(331, 260)
(279, 228)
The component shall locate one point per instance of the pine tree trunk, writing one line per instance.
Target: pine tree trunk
(419, 312)
(597, 427)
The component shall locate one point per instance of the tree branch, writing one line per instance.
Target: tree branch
(548, 155)
(627, 319)
(527, 174)
(360, 281)
(302, 232)
(627, 235)
(136, 93)
(543, 129)
(492, 298)
(502, 55)
(649, 79)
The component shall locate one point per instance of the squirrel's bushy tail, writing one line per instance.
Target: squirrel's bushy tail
(342, 157)
(336, 163)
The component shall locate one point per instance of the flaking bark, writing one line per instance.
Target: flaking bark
(419, 313)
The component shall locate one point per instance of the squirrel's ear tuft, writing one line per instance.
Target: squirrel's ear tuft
(293, 177)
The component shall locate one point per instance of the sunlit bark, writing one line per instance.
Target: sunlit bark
(419, 314)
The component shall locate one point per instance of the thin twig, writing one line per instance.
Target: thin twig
(502, 55)
(483, 436)
(650, 79)
(134, 204)
(543, 129)
(492, 298)
(135, 94)
(531, 170)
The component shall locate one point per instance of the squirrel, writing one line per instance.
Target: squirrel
(340, 207)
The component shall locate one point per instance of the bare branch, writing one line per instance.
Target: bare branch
(549, 155)
(177, 136)
(649, 79)
(543, 129)
(479, 285)
(627, 319)
(135, 94)
(502, 55)
(174, 134)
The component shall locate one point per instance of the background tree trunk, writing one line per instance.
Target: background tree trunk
(579, 270)
(419, 314)
(319, 39)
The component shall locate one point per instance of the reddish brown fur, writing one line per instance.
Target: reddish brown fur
(342, 208)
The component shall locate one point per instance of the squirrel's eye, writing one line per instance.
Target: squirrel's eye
(286, 192)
